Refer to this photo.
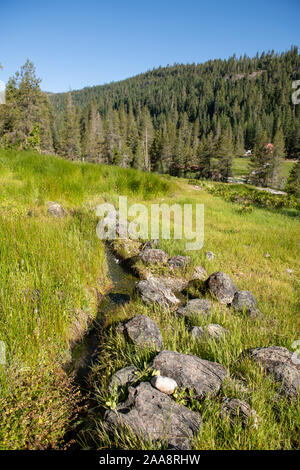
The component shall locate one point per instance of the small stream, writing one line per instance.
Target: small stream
(84, 354)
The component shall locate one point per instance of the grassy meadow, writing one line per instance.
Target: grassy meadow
(53, 272)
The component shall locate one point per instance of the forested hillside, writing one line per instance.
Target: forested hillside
(186, 120)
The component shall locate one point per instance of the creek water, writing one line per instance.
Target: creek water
(123, 284)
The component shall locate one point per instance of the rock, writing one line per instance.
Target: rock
(154, 256)
(244, 301)
(164, 384)
(213, 330)
(56, 210)
(197, 332)
(210, 255)
(143, 331)
(176, 284)
(154, 416)
(222, 286)
(179, 262)
(127, 248)
(238, 410)
(278, 362)
(202, 376)
(199, 273)
(122, 378)
(153, 290)
(195, 307)
(254, 313)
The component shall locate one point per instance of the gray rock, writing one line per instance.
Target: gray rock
(121, 378)
(278, 362)
(197, 332)
(222, 286)
(143, 331)
(195, 307)
(154, 415)
(154, 256)
(244, 301)
(202, 376)
(239, 410)
(175, 284)
(56, 210)
(199, 273)
(255, 313)
(153, 290)
(210, 255)
(215, 331)
(178, 262)
(164, 384)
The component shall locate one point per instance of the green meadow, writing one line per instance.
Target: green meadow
(53, 272)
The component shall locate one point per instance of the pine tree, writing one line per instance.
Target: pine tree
(277, 158)
(70, 134)
(293, 182)
(206, 151)
(92, 145)
(224, 154)
(27, 111)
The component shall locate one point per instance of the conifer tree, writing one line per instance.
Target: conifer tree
(70, 133)
(224, 155)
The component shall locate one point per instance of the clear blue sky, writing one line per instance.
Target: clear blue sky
(82, 43)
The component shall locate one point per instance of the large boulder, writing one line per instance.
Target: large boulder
(56, 210)
(153, 290)
(279, 362)
(143, 331)
(122, 377)
(179, 262)
(154, 416)
(238, 410)
(202, 376)
(175, 284)
(154, 256)
(195, 307)
(222, 287)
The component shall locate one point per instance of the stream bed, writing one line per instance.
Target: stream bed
(123, 285)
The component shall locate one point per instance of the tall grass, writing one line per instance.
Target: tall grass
(52, 272)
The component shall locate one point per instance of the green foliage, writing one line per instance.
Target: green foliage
(27, 109)
(247, 195)
(293, 182)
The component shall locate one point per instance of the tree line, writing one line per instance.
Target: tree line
(185, 120)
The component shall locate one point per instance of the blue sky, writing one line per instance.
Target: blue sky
(82, 43)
